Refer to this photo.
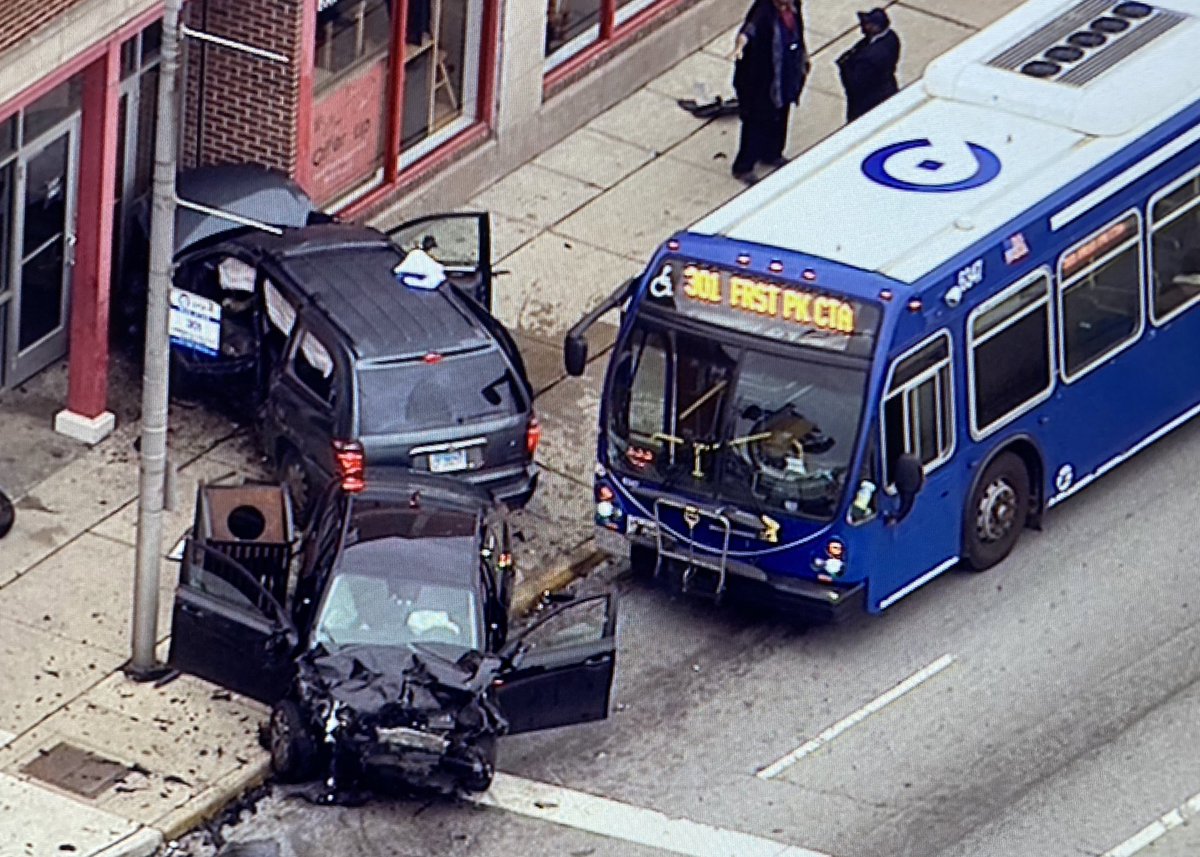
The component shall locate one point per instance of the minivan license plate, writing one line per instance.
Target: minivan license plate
(448, 462)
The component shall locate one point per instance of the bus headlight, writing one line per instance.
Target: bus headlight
(606, 509)
(834, 561)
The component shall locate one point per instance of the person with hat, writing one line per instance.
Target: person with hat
(772, 65)
(868, 69)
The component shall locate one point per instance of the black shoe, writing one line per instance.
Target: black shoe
(747, 177)
(778, 162)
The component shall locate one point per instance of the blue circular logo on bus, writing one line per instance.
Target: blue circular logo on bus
(928, 174)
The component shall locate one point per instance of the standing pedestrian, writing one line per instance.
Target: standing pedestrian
(772, 64)
(868, 69)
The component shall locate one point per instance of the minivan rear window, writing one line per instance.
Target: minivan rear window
(421, 394)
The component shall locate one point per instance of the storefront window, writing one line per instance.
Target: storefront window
(349, 109)
(53, 107)
(8, 136)
(349, 33)
(442, 42)
(567, 20)
(573, 25)
(138, 106)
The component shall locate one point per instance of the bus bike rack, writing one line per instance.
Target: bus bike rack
(692, 516)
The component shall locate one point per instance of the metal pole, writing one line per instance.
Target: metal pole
(143, 664)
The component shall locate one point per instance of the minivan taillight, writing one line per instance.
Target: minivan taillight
(348, 456)
(533, 435)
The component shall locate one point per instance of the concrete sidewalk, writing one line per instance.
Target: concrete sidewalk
(568, 227)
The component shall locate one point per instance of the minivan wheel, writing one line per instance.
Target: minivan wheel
(997, 512)
(293, 751)
(294, 475)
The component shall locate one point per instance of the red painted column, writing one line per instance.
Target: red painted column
(304, 107)
(394, 128)
(608, 19)
(87, 391)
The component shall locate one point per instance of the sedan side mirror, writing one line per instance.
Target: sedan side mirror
(910, 479)
(575, 353)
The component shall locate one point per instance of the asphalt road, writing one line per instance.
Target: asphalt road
(1047, 707)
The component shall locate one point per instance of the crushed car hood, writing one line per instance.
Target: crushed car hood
(368, 678)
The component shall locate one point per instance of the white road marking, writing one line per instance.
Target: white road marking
(6, 737)
(776, 768)
(1156, 829)
(629, 823)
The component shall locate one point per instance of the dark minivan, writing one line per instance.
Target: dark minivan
(304, 324)
(361, 370)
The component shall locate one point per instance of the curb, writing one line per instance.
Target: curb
(581, 561)
(210, 802)
(141, 843)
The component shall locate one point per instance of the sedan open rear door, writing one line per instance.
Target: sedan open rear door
(229, 624)
(228, 629)
(563, 667)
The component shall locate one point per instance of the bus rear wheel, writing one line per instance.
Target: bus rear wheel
(997, 512)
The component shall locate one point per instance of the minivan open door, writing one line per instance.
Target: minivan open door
(563, 667)
(461, 242)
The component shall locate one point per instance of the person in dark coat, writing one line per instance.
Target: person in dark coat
(772, 64)
(868, 69)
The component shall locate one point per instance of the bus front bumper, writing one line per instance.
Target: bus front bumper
(808, 600)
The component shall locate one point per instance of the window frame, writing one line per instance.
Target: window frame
(972, 342)
(614, 24)
(1151, 229)
(889, 485)
(1061, 287)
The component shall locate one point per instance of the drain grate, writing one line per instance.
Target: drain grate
(76, 770)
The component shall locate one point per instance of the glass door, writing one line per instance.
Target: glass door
(43, 250)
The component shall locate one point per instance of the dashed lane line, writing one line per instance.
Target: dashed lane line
(916, 679)
(1157, 829)
(629, 823)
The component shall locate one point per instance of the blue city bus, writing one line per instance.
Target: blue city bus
(893, 355)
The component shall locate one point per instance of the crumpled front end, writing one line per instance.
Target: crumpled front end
(412, 719)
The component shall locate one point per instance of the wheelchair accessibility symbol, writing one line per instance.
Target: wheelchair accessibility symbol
(920, 167)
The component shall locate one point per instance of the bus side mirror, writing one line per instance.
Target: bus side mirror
(910, 479)
(575, 351)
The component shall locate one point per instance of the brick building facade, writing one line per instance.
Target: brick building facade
(364, 102)
(246, 106)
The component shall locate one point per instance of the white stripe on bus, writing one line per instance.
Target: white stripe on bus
(916, 584)
(1117, 183)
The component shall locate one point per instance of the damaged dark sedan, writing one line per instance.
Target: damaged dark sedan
(387, 657)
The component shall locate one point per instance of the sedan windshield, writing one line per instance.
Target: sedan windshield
(769, 431)
(376, 599)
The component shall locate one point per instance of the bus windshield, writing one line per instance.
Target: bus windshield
(773, 430)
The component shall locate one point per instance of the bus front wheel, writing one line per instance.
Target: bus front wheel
(997, 512)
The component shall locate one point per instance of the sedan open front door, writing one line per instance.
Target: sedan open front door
(563, 669)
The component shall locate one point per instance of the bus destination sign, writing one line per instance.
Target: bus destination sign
(762, 307)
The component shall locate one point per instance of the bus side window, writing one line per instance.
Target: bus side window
(1100, 281)
(1011, 364)
(917, 410)
(1176, 248)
